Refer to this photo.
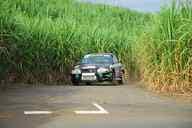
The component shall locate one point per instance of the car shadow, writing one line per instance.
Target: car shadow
(100, 84)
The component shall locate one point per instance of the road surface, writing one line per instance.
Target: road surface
(126, 106)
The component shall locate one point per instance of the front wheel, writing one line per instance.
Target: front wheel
(88, 83)
(122, 80)
(114, 81)
(75, 83)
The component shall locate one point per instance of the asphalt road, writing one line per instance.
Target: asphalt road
(128, 106)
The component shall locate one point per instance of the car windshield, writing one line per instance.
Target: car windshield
(97, 59)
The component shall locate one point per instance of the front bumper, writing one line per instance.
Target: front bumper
(100, 77)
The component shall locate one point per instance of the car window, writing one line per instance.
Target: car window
(115, 59)
(97, 59)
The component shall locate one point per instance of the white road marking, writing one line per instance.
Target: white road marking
(36, 112)
(100, 111)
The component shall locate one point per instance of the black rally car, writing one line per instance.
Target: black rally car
(98, 68)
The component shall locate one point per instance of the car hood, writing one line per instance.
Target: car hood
(92, 66)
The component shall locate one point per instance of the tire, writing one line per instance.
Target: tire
(88, 83)
(75, 83)
(122, 81)
(114, 82)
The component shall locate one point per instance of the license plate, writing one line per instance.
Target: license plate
(88, 76)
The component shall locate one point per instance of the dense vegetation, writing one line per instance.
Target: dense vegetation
(165, 52)
(41, 39)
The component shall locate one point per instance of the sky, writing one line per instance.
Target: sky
(139, 5)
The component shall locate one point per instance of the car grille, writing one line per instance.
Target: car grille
(88, 70)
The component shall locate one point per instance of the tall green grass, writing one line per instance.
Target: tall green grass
(165, 52)
(41, 39)
(45, 38)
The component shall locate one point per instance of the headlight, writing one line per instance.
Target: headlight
(102, 70)
(76, 71)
